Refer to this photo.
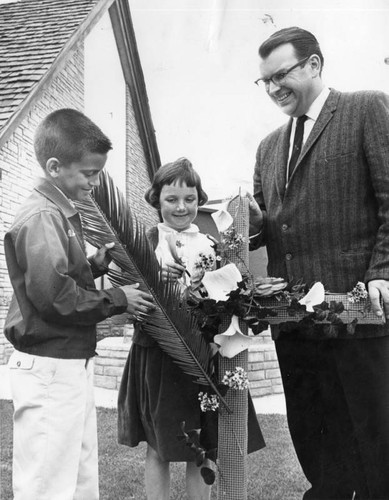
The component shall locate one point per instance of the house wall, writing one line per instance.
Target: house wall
(20, 170)
(137, 181)
(137, 177)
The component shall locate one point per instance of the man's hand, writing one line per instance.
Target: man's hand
(377, 289)
(139, 303)
(102, 258)
(256, 216)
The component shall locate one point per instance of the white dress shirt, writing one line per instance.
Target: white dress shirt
(312, 114)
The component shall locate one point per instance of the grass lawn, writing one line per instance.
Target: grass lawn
(274, 473)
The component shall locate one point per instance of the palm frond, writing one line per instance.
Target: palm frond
(107, 217)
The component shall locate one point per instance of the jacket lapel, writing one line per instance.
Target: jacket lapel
(324, 118)
(282, 155)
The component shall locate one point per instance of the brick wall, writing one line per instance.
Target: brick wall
(137, 177)
(20, 170)
(264, 374)
(137, 181)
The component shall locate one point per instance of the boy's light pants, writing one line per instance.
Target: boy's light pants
(55, 431)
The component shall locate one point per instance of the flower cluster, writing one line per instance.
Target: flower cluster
(208, 403)
(236, 379)
(358, 293)
(206, 262)
(232, 240)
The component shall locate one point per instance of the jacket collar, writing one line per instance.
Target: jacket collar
(282, 154)
(56, 196)
(322, 121)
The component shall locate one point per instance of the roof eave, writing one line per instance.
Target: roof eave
(133, 74)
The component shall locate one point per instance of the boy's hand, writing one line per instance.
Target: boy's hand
(102, 258)
(139, 303)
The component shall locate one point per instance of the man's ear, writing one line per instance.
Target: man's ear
(52, 167)
(315, 63)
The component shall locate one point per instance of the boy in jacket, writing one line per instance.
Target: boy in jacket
(53, 315)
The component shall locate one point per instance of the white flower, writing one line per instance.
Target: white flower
(314, 297)
(222, 219)
(208, 403)
(221, 282)
(236, 379)
(358, 293)
(232, 341)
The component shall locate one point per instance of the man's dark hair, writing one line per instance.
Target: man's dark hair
(180, 171)
(304, 43)
(67, 134)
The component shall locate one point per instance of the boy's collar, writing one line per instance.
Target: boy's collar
(54, 194)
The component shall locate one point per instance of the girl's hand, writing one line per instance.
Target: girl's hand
(196, 278)
(172, 271)
(171, 240)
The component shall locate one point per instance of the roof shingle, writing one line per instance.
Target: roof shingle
(32, 34)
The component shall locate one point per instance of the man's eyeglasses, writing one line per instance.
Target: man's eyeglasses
(279, 78)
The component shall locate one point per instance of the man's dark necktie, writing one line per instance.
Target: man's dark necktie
(297, 143)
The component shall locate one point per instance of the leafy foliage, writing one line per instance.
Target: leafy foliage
(107, 217)
(192, 440)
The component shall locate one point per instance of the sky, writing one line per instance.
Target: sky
(199, 59)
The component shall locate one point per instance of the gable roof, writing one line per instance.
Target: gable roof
(32, 34)
(36, 37)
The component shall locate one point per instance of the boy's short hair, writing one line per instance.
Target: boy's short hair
(67, 134)
(180, 171)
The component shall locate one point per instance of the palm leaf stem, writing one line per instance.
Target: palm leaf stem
(107, 217)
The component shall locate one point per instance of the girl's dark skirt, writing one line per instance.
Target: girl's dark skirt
(155, 396)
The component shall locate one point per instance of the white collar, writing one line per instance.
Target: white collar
(317, 105)
(167, 229)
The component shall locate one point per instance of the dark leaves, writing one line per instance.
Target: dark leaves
(351, 326)
(192, 440)
(295, 307)
(336, 307)
(222, 388)
(208, 475)
(258, 326)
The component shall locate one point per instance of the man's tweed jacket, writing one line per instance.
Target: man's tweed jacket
(331, 223)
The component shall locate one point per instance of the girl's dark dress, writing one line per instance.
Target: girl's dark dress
(155, 396)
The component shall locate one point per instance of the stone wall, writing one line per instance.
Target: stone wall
(264, 374)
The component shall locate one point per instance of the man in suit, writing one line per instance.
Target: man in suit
(322, 184)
